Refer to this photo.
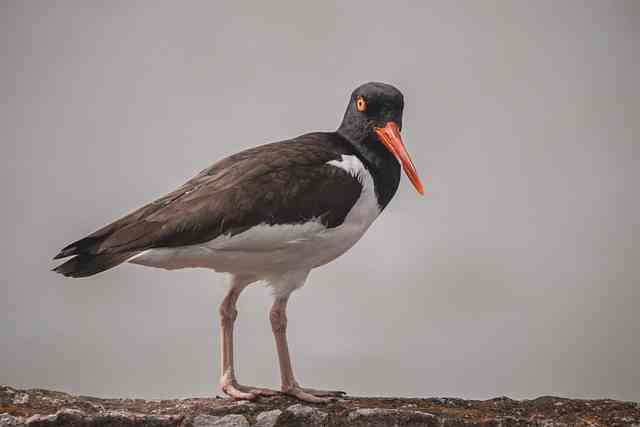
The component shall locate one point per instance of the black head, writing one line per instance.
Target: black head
(372, 123)
(371, 106)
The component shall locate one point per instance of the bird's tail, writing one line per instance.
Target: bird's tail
(85, 265)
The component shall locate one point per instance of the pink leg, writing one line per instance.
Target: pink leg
(278, 317)
(228, 314)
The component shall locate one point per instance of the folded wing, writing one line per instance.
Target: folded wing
(281, 183)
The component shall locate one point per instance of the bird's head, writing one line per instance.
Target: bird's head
(374, 115)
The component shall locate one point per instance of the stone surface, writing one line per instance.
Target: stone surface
(268, 418)
(375, 417)
(7, 420)
(310, 416)
(52, 408)
(226, 421)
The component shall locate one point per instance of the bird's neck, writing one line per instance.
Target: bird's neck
(381, 164)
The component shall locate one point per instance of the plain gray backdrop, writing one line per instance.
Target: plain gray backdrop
(517, 274)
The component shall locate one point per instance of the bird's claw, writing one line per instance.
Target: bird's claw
(233, 391)
(324, 393)
(314, 396)
(243, 392)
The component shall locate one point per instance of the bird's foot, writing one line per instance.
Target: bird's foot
(245, 392)
(324, 393)
(260, 391)
(312, 395)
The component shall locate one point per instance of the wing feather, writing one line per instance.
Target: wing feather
(287, 182)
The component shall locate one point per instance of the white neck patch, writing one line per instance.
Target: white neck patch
(368, 200)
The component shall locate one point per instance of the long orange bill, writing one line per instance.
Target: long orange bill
(390, 136)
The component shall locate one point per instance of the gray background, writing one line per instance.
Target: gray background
(517, 274)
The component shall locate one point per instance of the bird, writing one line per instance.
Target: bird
(270, 214)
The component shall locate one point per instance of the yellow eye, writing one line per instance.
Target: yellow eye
(361, 104)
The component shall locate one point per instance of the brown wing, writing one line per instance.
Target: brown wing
(280, 183)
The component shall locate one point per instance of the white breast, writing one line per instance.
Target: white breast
(268, 249)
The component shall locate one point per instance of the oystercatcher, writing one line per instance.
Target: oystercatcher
(271, 213)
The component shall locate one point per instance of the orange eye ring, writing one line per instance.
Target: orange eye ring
(361, 104)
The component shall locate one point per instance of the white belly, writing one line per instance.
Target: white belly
(267, 249)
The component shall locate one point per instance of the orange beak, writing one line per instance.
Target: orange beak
(389, 135)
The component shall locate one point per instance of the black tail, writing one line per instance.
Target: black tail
(86, 245)
(85, 265)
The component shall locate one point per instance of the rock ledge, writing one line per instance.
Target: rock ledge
(52, 408)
